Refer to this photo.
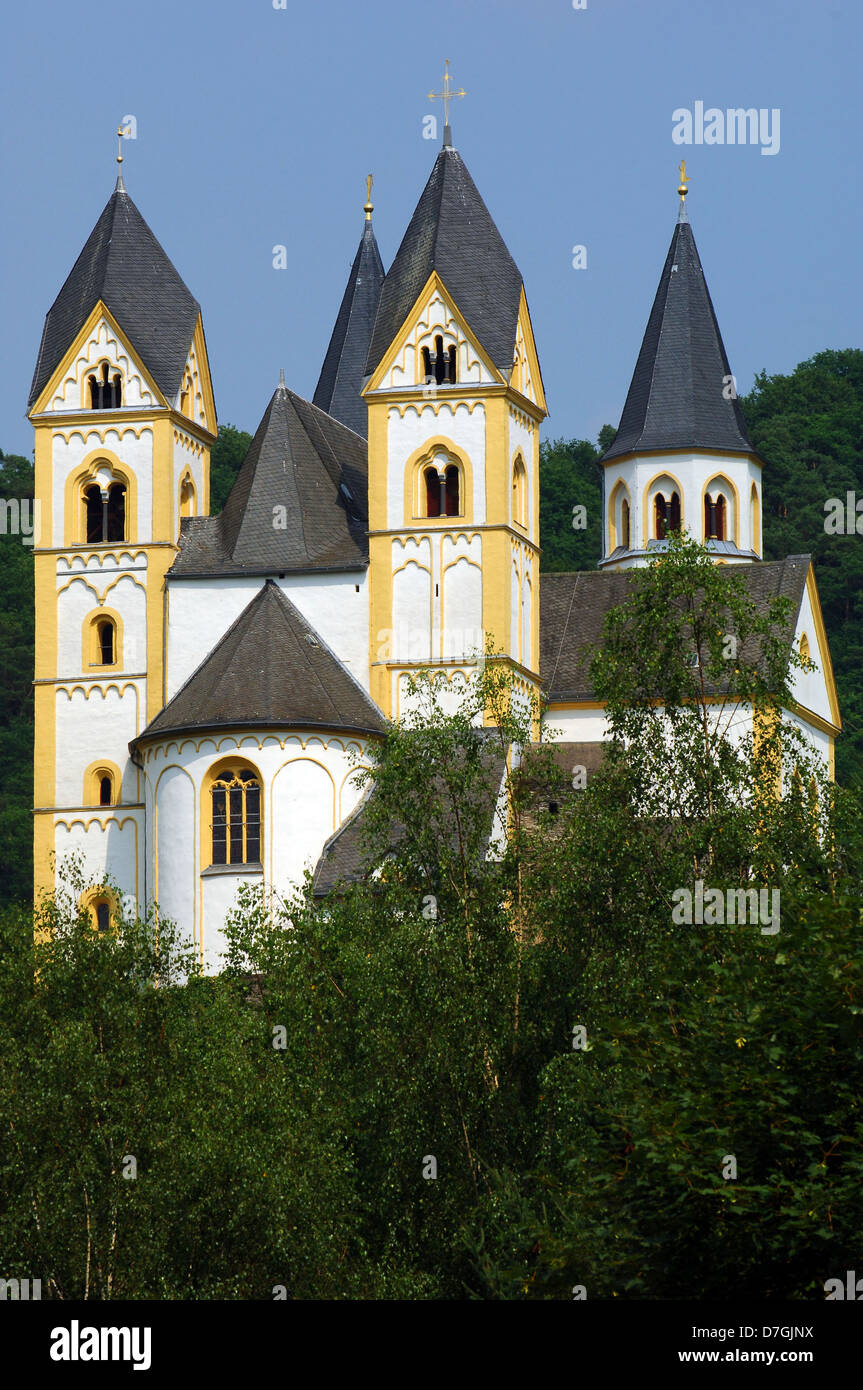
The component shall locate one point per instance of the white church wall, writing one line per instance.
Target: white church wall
(337, 607)
(103, 344)
(408, 432)
(124, 592)
(200, 611)
(308, 790)
(521, 443)
(810, 687)
(106, 845)
(96, 722)
(132, 445)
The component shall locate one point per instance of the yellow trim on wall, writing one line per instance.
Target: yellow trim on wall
(93, 774)
(63, 369)
(90, 662)
(83, 476)
(647, 531)
(825, 662)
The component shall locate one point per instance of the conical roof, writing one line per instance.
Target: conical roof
(341, 379)
(299, 501)
(452, 232)
(270, 670)
(680, 394)
(123, 264)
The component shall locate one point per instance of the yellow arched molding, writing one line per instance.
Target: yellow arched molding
(619, 487)
(235, 760)
(734, 498)
(98, 893)
(663, 477)
(197, 896)
(804, 647)
(99, 311)
(755, 513)
(80, 478)
(418, 461)
(93, 775)
(187, 495)
(520, 511)
(90, 640)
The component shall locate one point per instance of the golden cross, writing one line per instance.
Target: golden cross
(120, 134)
(369, 207)
(684, 180)
(447, 94)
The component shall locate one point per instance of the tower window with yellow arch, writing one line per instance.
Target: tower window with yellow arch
(235, 803)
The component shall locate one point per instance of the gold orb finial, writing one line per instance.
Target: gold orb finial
(369, 205)
(684, 180)
(120, 133)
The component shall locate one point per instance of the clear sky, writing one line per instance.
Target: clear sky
(256, 127)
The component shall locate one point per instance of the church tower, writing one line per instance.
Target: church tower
(124, 418)
(455, 401)
(682, 457)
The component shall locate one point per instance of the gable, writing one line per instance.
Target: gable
(100, 340)
(195, 396)
(435, 314)
(526, 377)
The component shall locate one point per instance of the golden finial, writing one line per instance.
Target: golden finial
(120, 134)
(684, 180)
(369, 207)
(446, 95)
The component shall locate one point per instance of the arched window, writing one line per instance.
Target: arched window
(666, 514)
(104, 514)
(187, 497)
(519, 493)
(431, 478)
(804, 648)
(102, 909)
(106, 392)
(714, 517)
(105, 643)
(440, 366)
(106, 790)
(236, 824)
(624, 524)
(451, 489)
(674, 512)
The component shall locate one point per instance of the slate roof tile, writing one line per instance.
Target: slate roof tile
(675, 399)
(270, 670)
(123, 264)
(452, 232)
(343, 371)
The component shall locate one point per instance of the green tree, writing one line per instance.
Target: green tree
(226, 458)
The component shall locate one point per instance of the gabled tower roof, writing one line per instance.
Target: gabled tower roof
(452, 232)
(341, 378)
(270, 670)
(676, 399)
(301, 461)
(123, 264)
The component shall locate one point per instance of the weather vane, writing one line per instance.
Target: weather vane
(447, 94)
(684, 180)
(369, 207)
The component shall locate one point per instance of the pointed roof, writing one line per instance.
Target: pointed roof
(123, 264)
(452, 232)
(676, 400)
(270, 670)
(341, 378)
(299, 501)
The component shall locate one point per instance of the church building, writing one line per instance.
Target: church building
(205, 685)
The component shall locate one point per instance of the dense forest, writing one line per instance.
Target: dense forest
(808, 426)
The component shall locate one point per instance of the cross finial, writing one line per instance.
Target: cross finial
(369, 207)
(446, 97)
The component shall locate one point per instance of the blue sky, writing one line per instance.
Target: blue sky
(256, 127)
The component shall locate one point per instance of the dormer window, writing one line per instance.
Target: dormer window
(106, 391)
(440, 366)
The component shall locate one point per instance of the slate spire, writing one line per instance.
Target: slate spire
(341, 378)
(452, 232)
(681, 396)
(123, 264)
